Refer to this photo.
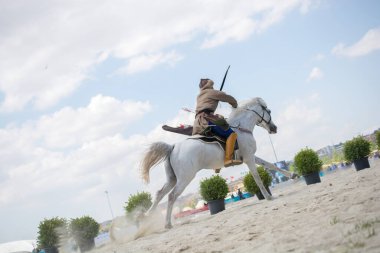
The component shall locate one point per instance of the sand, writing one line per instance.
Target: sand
(340, 214)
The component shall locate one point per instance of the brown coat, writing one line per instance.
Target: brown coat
(209, 98)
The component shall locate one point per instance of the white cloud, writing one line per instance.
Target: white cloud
(369, 43)
(48, 50)
(319, 57)
(68, 127)
(300, 123)
(146, 62)
(35, 175)
(315, 74)
(33, 167)
(230, 30)
(103, 116)
(307, 5)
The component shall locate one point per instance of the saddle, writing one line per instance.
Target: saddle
(209, 138)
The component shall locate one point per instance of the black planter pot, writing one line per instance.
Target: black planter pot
(361, 164)
(216, 206)
(260, 196)
(312, 178)
(51, 250)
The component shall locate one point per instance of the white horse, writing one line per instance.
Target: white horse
(184, 159)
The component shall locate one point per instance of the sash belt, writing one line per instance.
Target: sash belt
(207, 111)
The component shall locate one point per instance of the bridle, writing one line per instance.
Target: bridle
(262, 118)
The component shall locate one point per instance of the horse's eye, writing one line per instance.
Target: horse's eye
(269, 111)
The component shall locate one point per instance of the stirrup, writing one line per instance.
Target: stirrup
(229, 163)
(236, 160)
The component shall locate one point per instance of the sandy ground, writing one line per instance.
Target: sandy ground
(341, 214)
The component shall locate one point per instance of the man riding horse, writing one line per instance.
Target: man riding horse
(207, 123)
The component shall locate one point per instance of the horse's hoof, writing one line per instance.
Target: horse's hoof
(168, 226)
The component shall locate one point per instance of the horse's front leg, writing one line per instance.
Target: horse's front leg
(252, 167)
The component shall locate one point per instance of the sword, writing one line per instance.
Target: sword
(224, 79)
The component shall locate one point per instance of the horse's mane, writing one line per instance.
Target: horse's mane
(246, 104)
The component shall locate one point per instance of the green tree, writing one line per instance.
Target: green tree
(139, 202)
(337, 156)
(292, 167)
(307, 161)
(213, 188)
(378, 139)
(356, 149)
(250, 184)
(49, 231)
(84, 230)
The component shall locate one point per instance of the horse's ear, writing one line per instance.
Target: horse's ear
(262, 103)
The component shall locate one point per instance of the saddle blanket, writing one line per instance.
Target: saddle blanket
(205, 139)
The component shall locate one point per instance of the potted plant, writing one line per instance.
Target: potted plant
(137, 205)
(357, 151)
(214, 190)
(49, 231)
(84, 230)
(308, 164)
(251, 186)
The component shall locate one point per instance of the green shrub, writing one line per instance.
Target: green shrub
(49, 231)
(307, 161)
(250, 184)
(213, 188)
(378, 139)
(139, 202)
(356, 149)
(84, 230)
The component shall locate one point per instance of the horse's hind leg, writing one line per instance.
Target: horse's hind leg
(176, 192)
(170, 183)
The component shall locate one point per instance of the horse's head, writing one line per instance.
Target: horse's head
(261, 110)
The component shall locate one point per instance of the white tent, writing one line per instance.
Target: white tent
(18, 246)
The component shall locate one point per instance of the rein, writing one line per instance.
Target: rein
(245, 130)
(262, 116)
(261, 120)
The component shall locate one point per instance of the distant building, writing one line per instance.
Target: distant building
(328, 151)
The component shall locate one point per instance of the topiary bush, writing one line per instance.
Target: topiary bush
(84, 230)
(49, 231)
(213, 188)
(356, 149)
(250, 184)
(307, 161)
(139, 202)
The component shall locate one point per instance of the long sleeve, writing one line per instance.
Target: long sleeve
(222, 96)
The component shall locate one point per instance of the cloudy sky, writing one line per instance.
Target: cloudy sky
(85, 86)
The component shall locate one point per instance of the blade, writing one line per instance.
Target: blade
(224, 79)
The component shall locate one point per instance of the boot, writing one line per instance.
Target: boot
(230, 146)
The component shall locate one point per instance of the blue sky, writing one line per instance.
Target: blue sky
(85, 87)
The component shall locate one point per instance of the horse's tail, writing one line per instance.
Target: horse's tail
(156, 153)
